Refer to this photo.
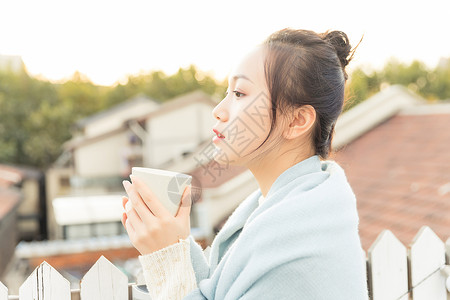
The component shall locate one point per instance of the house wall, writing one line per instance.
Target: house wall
(30, 203)
(29, 211)
(172, 133)
(9, 201)
(57, 184)
(9, 235)
(115, 119)
(102, 158)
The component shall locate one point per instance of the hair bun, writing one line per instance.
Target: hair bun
(339, 40)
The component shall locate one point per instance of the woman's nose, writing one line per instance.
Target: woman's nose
(220, 113)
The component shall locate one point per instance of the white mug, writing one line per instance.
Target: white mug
(167, 186)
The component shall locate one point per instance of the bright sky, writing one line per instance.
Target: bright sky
(107, 40)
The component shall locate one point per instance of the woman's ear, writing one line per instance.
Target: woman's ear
(301, 122)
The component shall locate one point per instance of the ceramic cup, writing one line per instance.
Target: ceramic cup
(167, 186)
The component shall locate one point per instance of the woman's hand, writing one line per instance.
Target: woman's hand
(149, 224)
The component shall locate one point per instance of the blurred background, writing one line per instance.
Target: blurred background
(89, 89)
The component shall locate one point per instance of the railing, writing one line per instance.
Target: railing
(419, 272)
(393, 272)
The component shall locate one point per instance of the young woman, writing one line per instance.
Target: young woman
(296, 237)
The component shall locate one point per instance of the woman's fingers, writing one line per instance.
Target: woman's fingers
(127, 206)
(124, 201)
(130, 230)
(124, 215)
(148, 223)
(136, 221)
(124, 219)
(143, 212)
(185, 206)
(149, 198)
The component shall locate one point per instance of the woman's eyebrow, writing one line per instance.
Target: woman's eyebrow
(235, 77)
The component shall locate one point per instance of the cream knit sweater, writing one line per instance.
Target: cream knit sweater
(168, 272)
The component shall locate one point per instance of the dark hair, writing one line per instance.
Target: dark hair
(306, 68)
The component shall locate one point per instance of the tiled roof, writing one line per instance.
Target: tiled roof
(11, 175)
(176, 103)
(116, 108)
(400, 173)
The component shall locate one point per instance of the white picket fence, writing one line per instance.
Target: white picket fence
(394, 272)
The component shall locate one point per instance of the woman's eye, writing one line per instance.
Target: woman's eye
(238, 94)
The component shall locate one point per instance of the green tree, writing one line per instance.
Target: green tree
(413, 76)
(81, 95)
(360, 87)
(439, 81)
(430, 84)
(159, 86)
(20, 95)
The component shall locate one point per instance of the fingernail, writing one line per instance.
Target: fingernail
(128, 207)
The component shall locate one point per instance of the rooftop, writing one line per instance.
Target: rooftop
(197, 96)
(399, 172)
(11, 175)
(117, 108)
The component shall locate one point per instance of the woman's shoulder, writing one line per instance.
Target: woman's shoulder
(316, 199)
(328, 182)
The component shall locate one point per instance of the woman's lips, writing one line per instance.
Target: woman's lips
(219, 135)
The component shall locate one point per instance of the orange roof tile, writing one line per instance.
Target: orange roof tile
(400, 173)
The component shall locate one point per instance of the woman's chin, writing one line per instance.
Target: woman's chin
(224, 159)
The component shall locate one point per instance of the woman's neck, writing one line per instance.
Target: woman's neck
(267, 170)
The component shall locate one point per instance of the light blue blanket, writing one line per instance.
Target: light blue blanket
(301, 243)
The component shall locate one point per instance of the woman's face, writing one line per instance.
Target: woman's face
(243, 116)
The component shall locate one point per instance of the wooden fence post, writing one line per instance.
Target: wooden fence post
(45, 283)
(388, 273)
(3, 292)
(104, 281)
(427, 256)
(388, 268)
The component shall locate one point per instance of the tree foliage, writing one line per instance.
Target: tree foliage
(431, 84)
(161, 87)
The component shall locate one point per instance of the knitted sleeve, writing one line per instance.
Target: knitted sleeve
(168, 272)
